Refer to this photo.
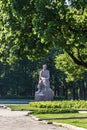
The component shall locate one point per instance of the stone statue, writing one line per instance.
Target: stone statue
(44, 91)
(44, 76)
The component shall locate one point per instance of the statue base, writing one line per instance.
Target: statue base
(44, 94)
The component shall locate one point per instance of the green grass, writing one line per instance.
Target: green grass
(64, 115)
(41, 107)
(36, 110)
(19, 107)
(76, 122)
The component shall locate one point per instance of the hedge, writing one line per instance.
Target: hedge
(81, 104)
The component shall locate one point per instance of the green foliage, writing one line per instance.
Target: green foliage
(53, 110)
(60, 104)
(52, 107)
(63, 26)
(57, 115)
(66, 64)
(37, 110)
(19, 79)
(19, 107)
(59, 98)
(16, 38)
(32, 28)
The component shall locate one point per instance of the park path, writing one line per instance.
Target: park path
(17, 120)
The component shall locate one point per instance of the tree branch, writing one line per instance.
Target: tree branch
(77, 61)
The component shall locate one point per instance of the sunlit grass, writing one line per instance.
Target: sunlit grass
(76, 122)
(56, 117)
(64, 115)
(19, 107)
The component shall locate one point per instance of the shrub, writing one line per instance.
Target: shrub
(60, 104)
(52, 110)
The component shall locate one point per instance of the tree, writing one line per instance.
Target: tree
(72, 70)
(32, 28)
(57, 24)
(19, 79)
(17, 40)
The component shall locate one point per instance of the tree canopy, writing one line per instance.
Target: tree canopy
(73, 71)
(65, 26)
(31, 28)
(17, 40)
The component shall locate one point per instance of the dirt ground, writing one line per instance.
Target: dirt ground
(17, 120)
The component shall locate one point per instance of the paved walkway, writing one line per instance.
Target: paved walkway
(17, 120)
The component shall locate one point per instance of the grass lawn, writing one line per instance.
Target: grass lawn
(76, 122)
(19, 107)
(57, 117)
(66, 115)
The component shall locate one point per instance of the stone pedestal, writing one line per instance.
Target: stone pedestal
(44, 94)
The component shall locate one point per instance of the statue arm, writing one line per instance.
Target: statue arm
(47, 75)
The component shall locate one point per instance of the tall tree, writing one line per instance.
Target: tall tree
(73, 72)
(17, 40)
(31, 28)
(65, 26)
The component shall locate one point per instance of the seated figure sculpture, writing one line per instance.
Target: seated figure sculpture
(44, 91)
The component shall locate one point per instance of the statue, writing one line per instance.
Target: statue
(44, 91)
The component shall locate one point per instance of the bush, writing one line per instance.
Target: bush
(60, 104)
(45, 107)
(52, 111)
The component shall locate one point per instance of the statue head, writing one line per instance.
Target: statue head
(44, 67)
